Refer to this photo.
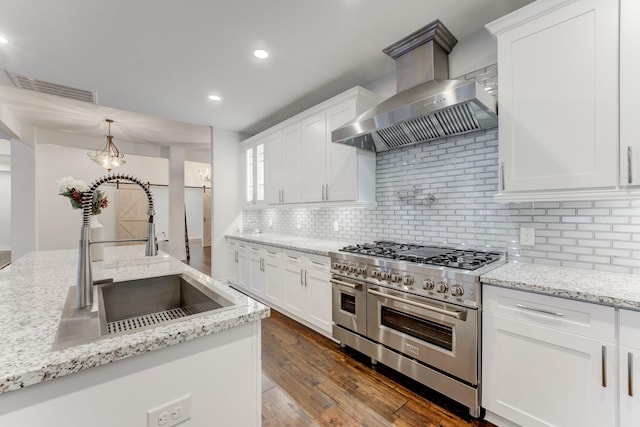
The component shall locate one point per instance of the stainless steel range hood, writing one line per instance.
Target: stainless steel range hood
(428, 105)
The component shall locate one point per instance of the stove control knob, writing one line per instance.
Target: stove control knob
(361, 271)
(351, 269)
(385, 275)
(428, 284)
(442, 287)
(396, 278)
(375, 274)
(457, 291)
(341, 266)
(408, 280)
(335, 265)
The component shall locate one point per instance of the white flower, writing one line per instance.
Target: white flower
(69, 182)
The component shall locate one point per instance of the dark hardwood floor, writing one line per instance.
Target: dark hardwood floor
(307, 380)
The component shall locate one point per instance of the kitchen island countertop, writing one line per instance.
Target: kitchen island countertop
(33, 291)
(614, 289)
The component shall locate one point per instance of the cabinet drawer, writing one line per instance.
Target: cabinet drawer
(319, 261)
(272, 251)
(630, 328)
(577, 317)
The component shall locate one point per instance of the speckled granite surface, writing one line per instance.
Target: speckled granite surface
(312, 246)
(32, 294)
(619, 290)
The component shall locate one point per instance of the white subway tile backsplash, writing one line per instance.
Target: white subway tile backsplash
(462, 173)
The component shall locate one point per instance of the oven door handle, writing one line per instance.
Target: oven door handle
(357, 287)
(455, 314)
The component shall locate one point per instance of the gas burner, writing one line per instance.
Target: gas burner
(429, 255)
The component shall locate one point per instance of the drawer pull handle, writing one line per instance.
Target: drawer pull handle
(318, 263)
(272, 253)
(539, 310)
(357, 287)
(629, 165)
(630, 374)
(604, 366)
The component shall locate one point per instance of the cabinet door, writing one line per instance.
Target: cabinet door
(558, 102)
(273, 284)
(292, 170)
(629, 364)
(232, 262)
(256, 274)
(318, 290)
(536, 376)
(293, 279)
(314, 137)
(342, 162)
(244, 266)
(273, 168)
(629, 92)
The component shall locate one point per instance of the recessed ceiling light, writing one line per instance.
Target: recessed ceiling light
(3, 40)
(261, 54)
(215, 97)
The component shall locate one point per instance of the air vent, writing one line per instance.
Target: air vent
(454, 120)
(41, 86)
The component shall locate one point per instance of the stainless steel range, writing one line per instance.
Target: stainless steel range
(414, 308)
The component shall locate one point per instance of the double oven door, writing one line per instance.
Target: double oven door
(441, 335)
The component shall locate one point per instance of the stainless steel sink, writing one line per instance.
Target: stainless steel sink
(127, 306)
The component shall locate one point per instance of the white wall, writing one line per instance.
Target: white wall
(5, 195)
(23, 200)
(226, 212)
(5, 210)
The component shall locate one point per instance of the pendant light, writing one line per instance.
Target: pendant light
(109, 157)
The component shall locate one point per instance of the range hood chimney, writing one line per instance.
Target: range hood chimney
(427, 106)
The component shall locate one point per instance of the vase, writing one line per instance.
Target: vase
(97, 249)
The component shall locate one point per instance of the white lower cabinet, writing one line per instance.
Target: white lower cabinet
(629, 367)
(548, 361)
(272, 267)
(232, 261)
(293, 282)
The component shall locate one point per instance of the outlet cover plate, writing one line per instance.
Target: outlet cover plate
(527, 236)
(170, 414)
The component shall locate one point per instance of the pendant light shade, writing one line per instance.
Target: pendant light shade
(109, 157)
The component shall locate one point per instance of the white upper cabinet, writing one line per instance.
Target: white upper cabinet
(314, 141)
(558, 99)
(273, 169)
(629, 93)
(344, 182)
(302, 165)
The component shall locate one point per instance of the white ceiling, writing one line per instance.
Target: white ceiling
(162, 58)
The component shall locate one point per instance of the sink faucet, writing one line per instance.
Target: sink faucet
(84, 294)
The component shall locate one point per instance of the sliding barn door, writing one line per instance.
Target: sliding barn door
(131, 213)
(206, 218)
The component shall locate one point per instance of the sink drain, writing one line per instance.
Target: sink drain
(151, 319)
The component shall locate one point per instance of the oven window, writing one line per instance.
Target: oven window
(421, 329)
(348, 303)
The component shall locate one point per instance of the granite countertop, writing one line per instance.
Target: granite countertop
(33, 291)
(618, 290)
(303, 244)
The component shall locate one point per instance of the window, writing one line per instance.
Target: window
(255, 173)
(250, 175)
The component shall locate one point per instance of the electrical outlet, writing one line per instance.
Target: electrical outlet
(170, 414)
(336, 226)
(527, 236)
